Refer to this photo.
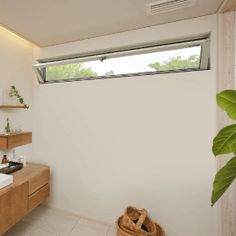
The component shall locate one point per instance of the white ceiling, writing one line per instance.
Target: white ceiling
(51, 22)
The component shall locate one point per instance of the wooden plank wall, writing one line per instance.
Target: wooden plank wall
(228, 5)
(226, 80)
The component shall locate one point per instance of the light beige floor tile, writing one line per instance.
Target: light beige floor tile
(37, 216)
(89, 228)
(20, 229)
(40, 232)
(45, 222)
(112, 231)
(59, 223)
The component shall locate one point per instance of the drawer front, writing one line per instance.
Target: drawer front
(20, 201)
(38, 197)
(39, 180)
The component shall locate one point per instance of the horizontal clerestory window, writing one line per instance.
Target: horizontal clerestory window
(180, 56)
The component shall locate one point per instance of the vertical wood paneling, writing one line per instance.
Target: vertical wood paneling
(226, 80)
(228, 5)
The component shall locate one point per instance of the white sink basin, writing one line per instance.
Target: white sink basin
(5, 180)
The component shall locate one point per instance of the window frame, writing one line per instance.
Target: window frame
(204, 42)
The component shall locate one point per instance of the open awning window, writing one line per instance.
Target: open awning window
(182, 56)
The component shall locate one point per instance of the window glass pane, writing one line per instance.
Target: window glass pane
(186, 58)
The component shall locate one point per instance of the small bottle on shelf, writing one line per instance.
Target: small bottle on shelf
(5, 160)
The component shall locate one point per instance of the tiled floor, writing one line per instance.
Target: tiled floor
(47, 222)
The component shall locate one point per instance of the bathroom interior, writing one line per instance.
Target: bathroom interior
(111, 114)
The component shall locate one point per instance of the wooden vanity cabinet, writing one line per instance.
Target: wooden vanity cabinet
(30, 188)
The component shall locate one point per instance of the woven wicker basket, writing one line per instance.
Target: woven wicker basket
(122, 231)
(136, 222)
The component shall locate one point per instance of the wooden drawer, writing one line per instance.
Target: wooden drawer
(15, 140)
(38, 197)
(39, 180)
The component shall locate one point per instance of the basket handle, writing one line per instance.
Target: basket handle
(142, 218)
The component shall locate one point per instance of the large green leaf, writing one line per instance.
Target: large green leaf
(227, 101)
(225, 141)
(223, 180)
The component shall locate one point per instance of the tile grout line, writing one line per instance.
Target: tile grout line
(79, 216)
(108, 229)
(38, 228)
(74, 226)
(34, 229)
(48, 231)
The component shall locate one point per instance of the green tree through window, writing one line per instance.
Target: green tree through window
(78, 70)
(69, 71)
(177, 63)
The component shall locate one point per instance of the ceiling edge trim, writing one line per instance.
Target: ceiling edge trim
(19, 35)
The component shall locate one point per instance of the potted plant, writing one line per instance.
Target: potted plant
(225, 143)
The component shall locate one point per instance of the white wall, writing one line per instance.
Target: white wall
(143, 141)
(16, 69)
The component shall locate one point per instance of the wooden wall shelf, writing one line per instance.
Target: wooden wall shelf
(15, 140)
(11, 106)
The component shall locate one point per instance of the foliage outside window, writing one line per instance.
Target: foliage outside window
(177, 63)
(69, 71)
